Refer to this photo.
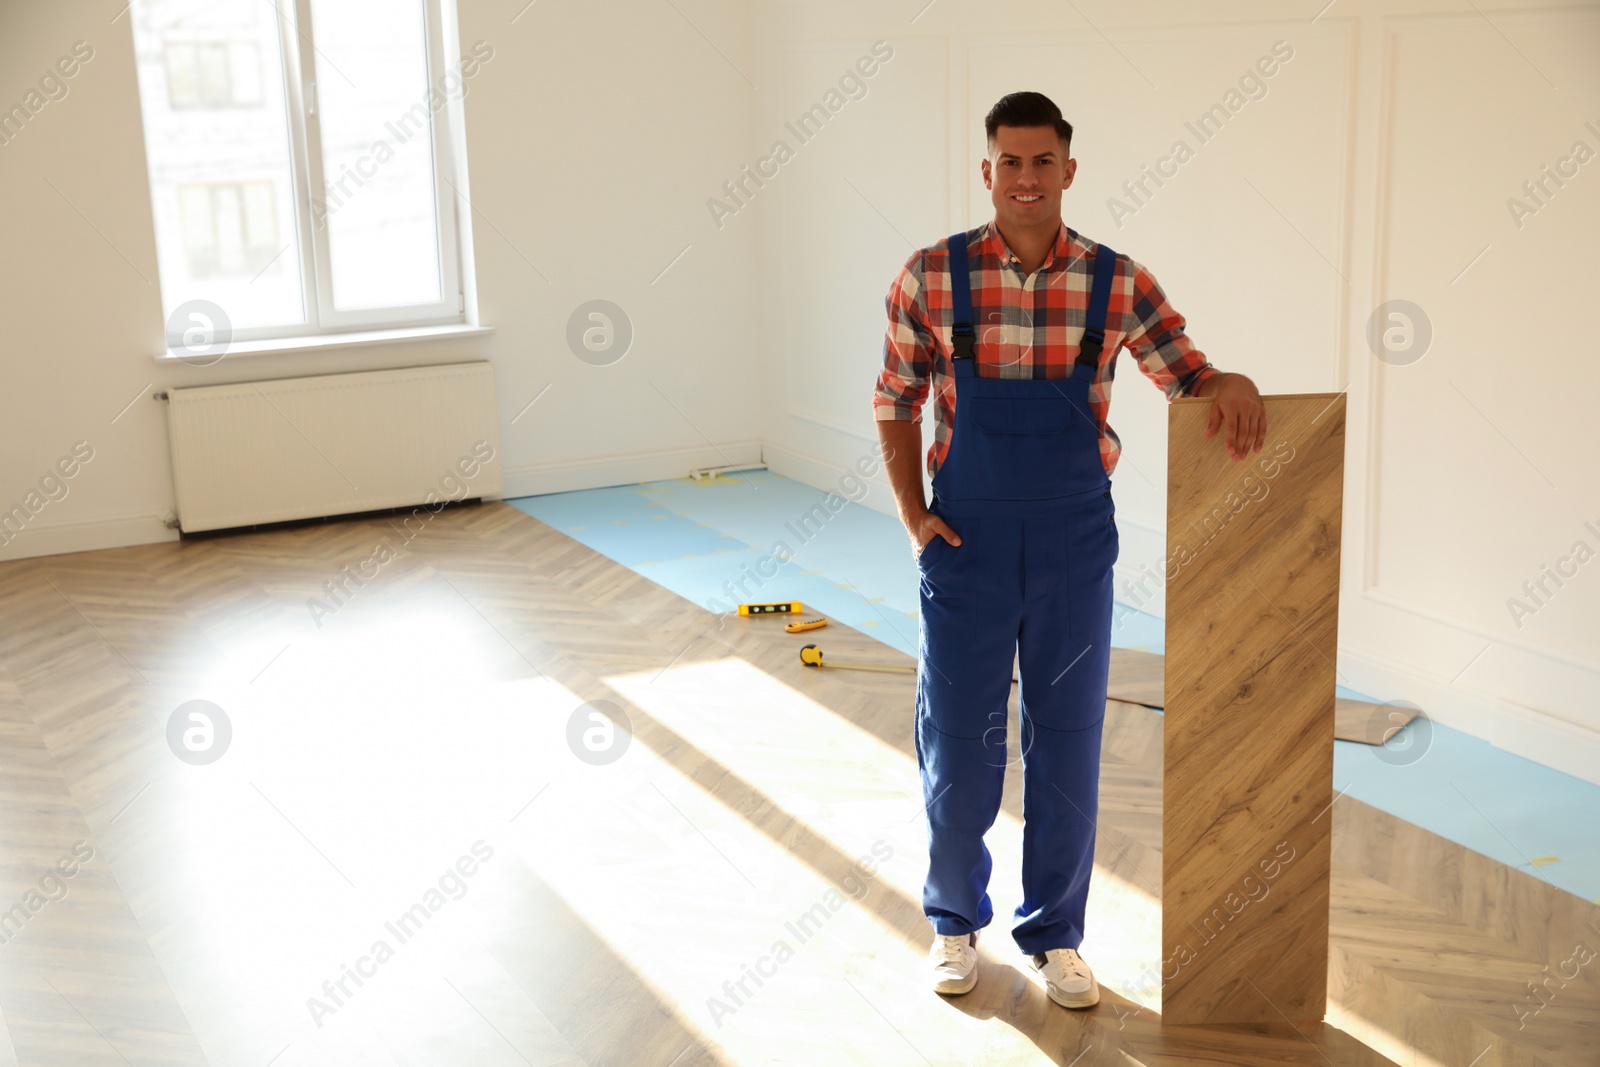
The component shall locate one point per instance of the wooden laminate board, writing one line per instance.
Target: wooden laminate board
(1252, 627)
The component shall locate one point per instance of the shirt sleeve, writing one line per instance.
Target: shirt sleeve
(1155, 336)
(908, 350)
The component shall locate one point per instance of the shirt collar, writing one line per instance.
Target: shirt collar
(1068, 248)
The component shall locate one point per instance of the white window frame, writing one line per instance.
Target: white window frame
(296, 38)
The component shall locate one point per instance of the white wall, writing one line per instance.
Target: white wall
(594, 137)
(1377, 166)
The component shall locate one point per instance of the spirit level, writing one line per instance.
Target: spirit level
(783, 607)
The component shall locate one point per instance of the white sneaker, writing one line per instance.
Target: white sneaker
(1067, 978)
(954, 958)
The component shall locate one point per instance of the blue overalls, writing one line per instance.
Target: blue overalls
(1023, 484)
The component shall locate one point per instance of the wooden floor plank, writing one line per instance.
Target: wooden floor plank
(1251, 635)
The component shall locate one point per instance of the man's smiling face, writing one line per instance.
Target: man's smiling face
(1025, 175)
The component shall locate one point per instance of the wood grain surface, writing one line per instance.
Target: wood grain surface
(1251, 640)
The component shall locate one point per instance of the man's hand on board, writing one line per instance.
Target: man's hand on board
(1238, 411)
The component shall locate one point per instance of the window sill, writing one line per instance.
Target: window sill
(328, 341)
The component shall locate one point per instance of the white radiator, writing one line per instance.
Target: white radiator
(334, 444)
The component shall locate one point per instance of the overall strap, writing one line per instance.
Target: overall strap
(962, 335)
(1094, 331)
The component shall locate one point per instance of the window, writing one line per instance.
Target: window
(301, 160)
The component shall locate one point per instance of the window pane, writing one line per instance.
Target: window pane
(230, 224)
(205, 150)
(260, 224)
(379, 200)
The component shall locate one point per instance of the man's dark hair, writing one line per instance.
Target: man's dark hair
(1028, 109)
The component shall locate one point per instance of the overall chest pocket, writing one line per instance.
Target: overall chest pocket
(1022, 448)
(1014, 415)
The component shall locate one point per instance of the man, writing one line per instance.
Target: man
(1014, 327)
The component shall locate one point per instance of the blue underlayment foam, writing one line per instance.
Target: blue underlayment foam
(757, 536)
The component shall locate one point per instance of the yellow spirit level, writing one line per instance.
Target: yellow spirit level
(785, 607)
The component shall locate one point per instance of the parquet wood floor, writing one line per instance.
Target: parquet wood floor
(741, 886)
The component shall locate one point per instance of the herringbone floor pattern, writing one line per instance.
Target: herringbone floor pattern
(741, 886)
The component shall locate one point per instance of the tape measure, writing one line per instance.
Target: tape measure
(811, 656)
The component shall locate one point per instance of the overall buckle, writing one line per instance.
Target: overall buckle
(1090, 348)
(962, 338)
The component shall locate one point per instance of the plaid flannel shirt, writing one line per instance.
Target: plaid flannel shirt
(1027, 327)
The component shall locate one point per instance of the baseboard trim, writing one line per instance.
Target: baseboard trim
(824, 474)
(1516, 728)
(60, 538)
(539, 478)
